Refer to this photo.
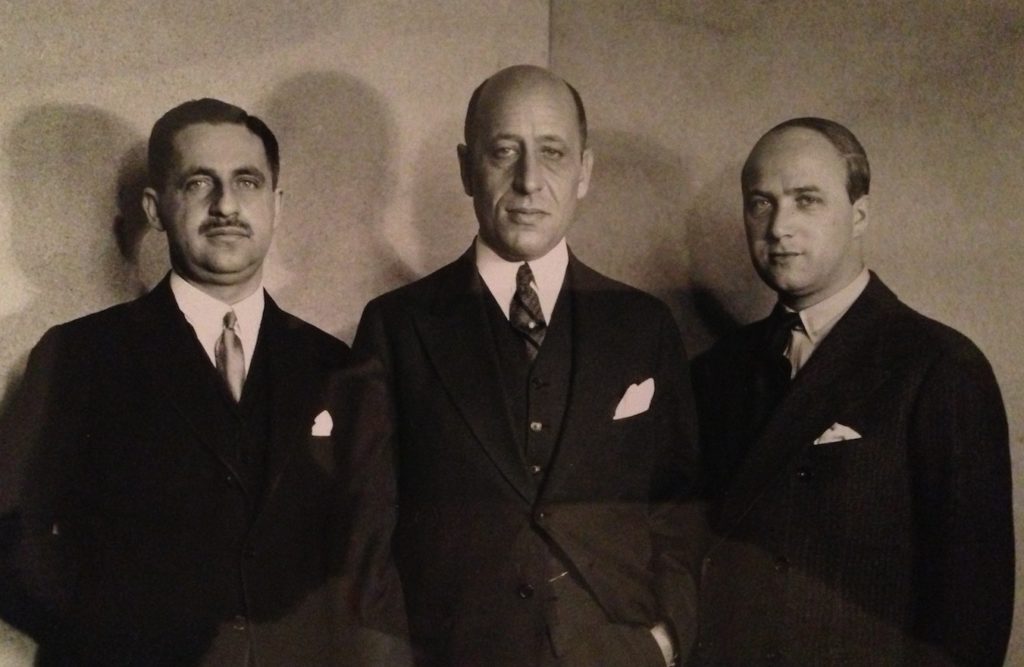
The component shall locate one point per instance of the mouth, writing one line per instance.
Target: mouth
(229, 230)
(525, 214)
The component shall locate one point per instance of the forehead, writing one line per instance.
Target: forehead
(795, 157)
(225, 145)
(537, 107)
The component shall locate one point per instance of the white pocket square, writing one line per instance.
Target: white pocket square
(637, 399)
(837, 433)
(323, 424)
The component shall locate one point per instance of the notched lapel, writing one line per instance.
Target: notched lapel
(297, 392)
(459, 344)
(177, 367)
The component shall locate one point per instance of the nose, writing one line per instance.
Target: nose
(224, 202)
(781, 223)
(527, 179)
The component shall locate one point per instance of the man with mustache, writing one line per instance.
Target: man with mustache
(542, 419)
(176, 484)
(856, 450)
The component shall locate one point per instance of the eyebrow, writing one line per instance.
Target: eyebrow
(516, 137)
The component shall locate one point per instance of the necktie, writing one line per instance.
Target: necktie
(524, 312)
(230, 356)
(774, 370)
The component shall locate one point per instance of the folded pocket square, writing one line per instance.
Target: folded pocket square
(837, 433)
(323, 424)
(636, 400)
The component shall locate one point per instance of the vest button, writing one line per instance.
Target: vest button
(525, 591)
(536, 427)
(250, 551)
(804, 474)
(538, 383)
(535, 469)
(239, 623)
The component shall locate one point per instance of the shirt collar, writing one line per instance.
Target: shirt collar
(818, 320)
(206, 315)
(500, 275)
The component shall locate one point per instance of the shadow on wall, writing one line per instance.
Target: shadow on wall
(337, 154)
(726, 291)
(73, 171)
(633, 225)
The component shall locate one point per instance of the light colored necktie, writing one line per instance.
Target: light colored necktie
(230, 356)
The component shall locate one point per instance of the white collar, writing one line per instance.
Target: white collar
(500, 275)
(818, 320)
(206, 315)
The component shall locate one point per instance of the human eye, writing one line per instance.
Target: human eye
(806, 200)
(758, 205)
(503, 151)
(552, 152)
(250, 182)
(197, 184)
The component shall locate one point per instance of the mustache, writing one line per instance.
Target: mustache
(217, 224)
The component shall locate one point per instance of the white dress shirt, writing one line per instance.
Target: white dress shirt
(817, 321)
(206, 315)
(500, 275)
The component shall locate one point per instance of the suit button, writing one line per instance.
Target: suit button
(239, 622)
(781, 564)
(525, 591)
(542, 517)
(803, 474)
(773, 656)
(230, 479)
(250, 551)
(536, 427)
(535, 470)
(538, 383)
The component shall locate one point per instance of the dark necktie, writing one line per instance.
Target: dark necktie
(525, 314)
(230, 356)
(774, 370)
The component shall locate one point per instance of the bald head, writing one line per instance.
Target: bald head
(516, 80)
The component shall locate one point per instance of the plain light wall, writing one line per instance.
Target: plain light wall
(367, 99)
(678, 92)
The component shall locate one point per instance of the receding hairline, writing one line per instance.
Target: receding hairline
(842, 140)
(518, 76)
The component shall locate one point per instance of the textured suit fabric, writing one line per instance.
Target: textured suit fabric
(475, 531)
(134, 533)
(892, 549)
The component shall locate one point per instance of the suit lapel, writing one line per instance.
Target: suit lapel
(178, 368)
(293, 376)
(460, 345)
(592, 339)
(840, 373)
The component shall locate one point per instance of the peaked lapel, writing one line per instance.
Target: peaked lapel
(178, 368)
(841, 372)
(459, 344)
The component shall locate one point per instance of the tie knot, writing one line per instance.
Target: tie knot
(230, 319)
(524, 277)
(780, 324)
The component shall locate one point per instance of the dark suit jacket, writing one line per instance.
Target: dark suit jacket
(128, 535)
(895, 548)
(612, 501)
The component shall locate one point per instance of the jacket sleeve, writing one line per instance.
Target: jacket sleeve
(677, 513)
(960, 449)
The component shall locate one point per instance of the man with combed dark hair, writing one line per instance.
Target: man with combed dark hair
(857, 452)
(180, 483)
(542, 420)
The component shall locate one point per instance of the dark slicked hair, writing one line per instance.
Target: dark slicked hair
(194, 112)
(858, 171)
(474, 103)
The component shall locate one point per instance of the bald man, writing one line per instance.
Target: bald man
(857, 449)
(542, 419)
